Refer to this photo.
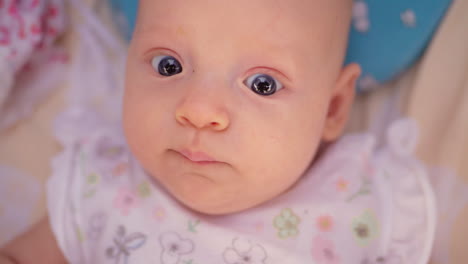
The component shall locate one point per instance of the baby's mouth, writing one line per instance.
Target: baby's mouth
(198, 157)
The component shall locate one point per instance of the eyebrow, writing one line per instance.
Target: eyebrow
(150, 36)
(151, 29)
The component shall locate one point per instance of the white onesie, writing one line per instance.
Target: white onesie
(358, 204)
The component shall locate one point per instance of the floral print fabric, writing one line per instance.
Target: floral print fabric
(108, 210)
(30, 58)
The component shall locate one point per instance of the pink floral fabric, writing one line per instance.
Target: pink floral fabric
(29, 30)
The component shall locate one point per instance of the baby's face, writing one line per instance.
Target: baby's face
(227, 101)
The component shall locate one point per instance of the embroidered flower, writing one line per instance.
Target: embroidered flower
(119, 169)
(342, 185)
(323, 251)
(79, 235)
(111, 156)
(325, 223)
(159, 214)
(287, 223)
(192, 225)
(125, 201)
(92, 179)
(173, 247)
(144, 189)
(124, 245)
(365, 228)
(244, 252)
(109, 148)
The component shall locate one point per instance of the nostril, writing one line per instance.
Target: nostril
(201, 120)
(183, 120)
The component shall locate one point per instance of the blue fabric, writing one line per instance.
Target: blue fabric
(389, 36)
(386, 36)
(128, 9)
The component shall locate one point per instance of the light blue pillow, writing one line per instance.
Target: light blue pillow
(387, 36)
(126, 12)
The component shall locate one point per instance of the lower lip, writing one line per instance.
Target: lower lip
(199, 162)
(204, 162)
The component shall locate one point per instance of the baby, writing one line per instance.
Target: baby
(232, 112)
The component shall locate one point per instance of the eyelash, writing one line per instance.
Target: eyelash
(267, 71)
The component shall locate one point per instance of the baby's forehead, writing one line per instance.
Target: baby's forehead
(271, 14)
(302, 25)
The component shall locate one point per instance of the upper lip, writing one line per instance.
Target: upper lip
(197, 156)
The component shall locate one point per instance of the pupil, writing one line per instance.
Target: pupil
(169, 66)
(264, 85)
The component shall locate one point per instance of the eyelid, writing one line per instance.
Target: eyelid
(283, 79)
(149, 55)
(269, 71)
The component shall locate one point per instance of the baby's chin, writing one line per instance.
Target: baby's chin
(219, 208)
(221, 205)
(213, 208)
(209, 199)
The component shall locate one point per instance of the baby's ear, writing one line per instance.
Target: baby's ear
(341, 100)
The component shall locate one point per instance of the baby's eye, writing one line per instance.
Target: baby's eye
(166, 65)
(263, 84)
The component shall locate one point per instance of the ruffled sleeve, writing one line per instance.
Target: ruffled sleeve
(409, 207)
(60, 204)
(75, 129)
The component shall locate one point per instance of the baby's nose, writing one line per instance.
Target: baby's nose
(202, 114)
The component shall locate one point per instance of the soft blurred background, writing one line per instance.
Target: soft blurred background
(68, 58)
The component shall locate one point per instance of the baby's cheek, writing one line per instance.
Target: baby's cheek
(133, 130)
(141, 126)
(284, 159)
(299, 145)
